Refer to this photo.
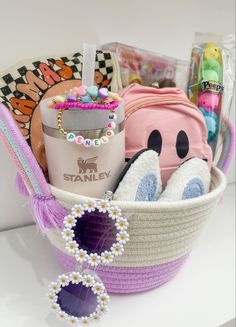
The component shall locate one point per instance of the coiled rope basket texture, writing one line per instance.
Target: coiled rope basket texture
(161, 237)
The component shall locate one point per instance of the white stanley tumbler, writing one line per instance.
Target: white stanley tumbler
(72, 167)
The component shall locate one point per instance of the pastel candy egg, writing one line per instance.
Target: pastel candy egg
(103, 93)
(92, 91)
(114, 96)
(70, 137)
(96, 143)
(82, 90)
(86, 99)
(59, 99)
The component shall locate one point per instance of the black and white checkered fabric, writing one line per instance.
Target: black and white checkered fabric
(9, 80)
(16, 75)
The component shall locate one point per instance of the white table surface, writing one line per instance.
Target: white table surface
(201, 295)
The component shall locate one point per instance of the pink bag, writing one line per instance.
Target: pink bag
(166, 121)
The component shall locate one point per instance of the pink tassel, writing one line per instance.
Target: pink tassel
(21, 185)
(47, 212)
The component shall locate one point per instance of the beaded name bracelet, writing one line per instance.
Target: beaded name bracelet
(87, 98)
(80, 140)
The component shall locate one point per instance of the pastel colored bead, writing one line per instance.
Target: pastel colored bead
(79, 139)
(112, 117)
(104, 139)
(86, 99)
(59, 99)
(109, 133)
(73, 91)
(111, 125)
(96, 143)
(114, 96)
(71, 98)
(103, 93)
(70, 137)
(81, 90)
(92, 91)
(88, 143)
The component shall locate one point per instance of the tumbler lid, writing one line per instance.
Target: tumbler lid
(77, 119)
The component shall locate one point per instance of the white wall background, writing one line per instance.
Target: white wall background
(36, 28)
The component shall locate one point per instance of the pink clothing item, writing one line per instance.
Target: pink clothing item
(177, 125)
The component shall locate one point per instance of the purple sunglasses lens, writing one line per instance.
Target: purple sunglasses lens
(95, 232)
(77, 300)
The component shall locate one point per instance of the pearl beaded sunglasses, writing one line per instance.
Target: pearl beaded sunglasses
(94, 233)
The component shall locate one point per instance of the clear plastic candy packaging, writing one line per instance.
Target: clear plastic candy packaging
(211, 81)
(145, 67)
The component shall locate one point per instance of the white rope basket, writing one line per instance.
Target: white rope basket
(159, 232)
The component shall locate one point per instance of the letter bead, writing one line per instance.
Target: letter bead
(88, 143)
(112, 117)
(79, 139)
(111, 125)
(110, 133)
(104, 139)
(70, 137)
(96, 143)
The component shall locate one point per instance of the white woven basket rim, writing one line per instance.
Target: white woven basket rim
(170, 242)
(218, 185)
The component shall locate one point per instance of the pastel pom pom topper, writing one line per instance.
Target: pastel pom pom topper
(78, 97)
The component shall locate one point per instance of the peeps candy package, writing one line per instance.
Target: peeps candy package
(211, 81)
(145, 67)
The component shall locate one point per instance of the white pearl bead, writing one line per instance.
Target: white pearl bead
(70, 137)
